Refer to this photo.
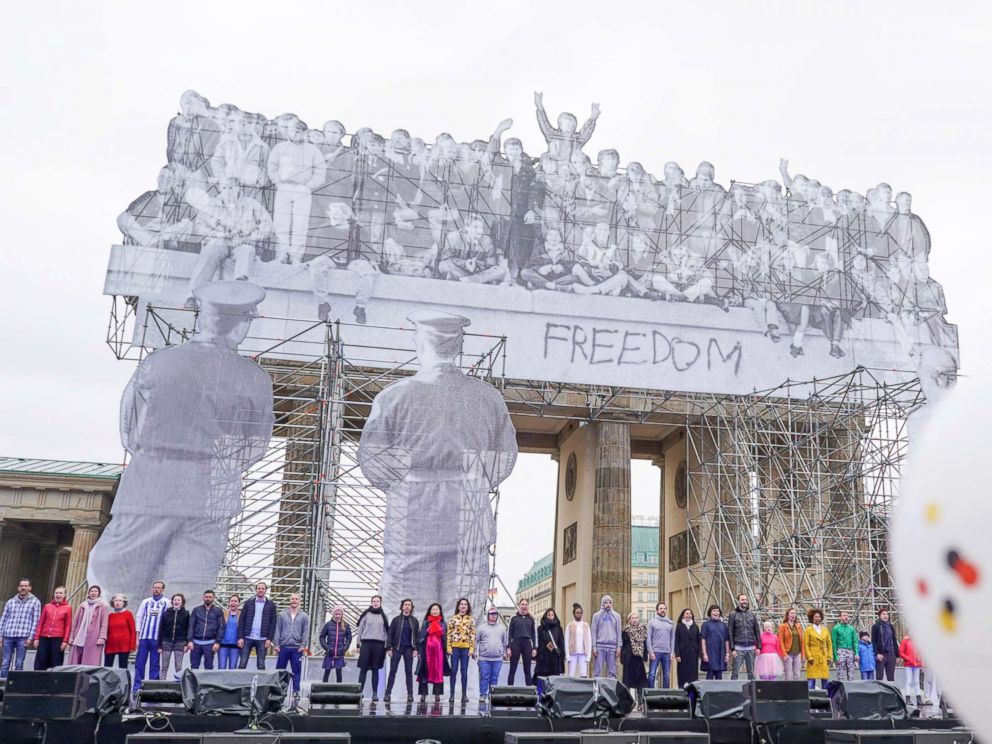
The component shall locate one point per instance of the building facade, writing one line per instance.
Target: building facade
(535, 586)
(51, 514)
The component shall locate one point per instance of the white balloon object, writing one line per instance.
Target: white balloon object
(941, 548)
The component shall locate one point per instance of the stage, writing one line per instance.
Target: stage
(448, 724)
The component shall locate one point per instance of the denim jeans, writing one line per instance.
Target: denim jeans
(228, 657)
(488, 675)
(868, 675)
(260, 652)
(204, 652)
(147, 654)
(14, 650)
(665, 660)
(812, 684)
(459, 660)
(747, 659)
(293, 655)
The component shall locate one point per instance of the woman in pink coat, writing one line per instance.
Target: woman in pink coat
(89, 630)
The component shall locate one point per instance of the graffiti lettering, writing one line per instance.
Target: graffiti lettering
(598, 345)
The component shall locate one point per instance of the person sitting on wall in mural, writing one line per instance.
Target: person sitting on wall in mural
(234, 225)
(564, 139)
(192, 134)
(550, 269)
(468, 255)
(162, 218)
(240, 155)
(598, 267)
(296, 168)
(681, 275)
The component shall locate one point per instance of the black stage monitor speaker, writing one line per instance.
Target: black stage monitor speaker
(904, 736)
(819, 704)
(160, 692)
(673, 737)
(777, 701)
(335, 693)
(236, 691)
(596, 736)
(666, 704)
(506, 696)
(867, 700)
(45, 696)
(717, 698)
(579, 697)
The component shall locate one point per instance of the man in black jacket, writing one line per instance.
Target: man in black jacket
(745, 634)
(256, 626)
(206, 627)
(401, 643)
(522, 637)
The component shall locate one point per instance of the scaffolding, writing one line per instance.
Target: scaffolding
(789, 490)
(310, 523)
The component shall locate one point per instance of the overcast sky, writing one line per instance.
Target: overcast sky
(853, 93)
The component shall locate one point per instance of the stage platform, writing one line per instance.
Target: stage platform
(448, 724)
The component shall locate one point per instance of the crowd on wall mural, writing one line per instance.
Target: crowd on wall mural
(241, 189)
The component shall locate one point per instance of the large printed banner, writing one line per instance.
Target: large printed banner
(595, 273)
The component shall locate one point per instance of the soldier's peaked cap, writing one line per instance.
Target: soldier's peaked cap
(437, 321)
(229, 296)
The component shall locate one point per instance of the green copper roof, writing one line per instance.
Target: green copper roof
(30, 466)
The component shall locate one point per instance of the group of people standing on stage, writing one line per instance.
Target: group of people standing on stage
(162, 629)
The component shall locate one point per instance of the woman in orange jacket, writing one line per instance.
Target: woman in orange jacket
(790, 644)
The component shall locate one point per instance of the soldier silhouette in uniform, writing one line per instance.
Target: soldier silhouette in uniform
(194, 417)
(437, 443)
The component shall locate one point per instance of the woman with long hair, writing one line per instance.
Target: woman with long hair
(687, 648)
(633, 654)
(791, 646)
(371, 633)
(432, 642)
(89, 629)
(550, 649)
(461, 644)
(229, 654)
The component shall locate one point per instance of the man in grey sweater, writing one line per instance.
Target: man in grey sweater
(661, 641)
(490, 648)
(607, 630)
(292, 635)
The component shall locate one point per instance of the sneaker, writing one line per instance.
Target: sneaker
(409, 697)
(385, 698)
(464, 698)
(375, 697)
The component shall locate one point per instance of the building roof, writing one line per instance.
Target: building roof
(537, 572)
(70, 468)
(643, 546)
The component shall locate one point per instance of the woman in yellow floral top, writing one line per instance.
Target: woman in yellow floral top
(461, 644)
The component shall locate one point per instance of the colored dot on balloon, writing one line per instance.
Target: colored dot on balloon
(932, 513)
(946, 617)
(921, 587)
(966, 571)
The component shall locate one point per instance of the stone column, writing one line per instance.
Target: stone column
(611, 517)
(659, 462)
(84, 537)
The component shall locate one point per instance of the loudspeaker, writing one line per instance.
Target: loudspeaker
(867, 700)
(819, 704)
(505, 696)
(334, 693)
(160, 692)
(718, 698)
(595, 736)
(673, 737)
(777, 701)
(666, 704)
(904, 736)
(45, 696)
(580, 697)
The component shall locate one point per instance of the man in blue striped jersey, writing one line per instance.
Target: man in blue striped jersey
(147, 620)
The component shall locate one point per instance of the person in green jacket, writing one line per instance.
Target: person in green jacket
(845, 642)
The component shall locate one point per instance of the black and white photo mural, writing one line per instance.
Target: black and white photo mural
(599, 267)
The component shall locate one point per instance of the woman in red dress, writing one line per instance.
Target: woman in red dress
(122, 638)
(433, 665)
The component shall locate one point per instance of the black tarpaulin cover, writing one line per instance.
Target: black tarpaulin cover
(108, 688)
(229, 690)
(867, 700)
(574, 697)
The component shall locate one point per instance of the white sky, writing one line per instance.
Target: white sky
(853, 93)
